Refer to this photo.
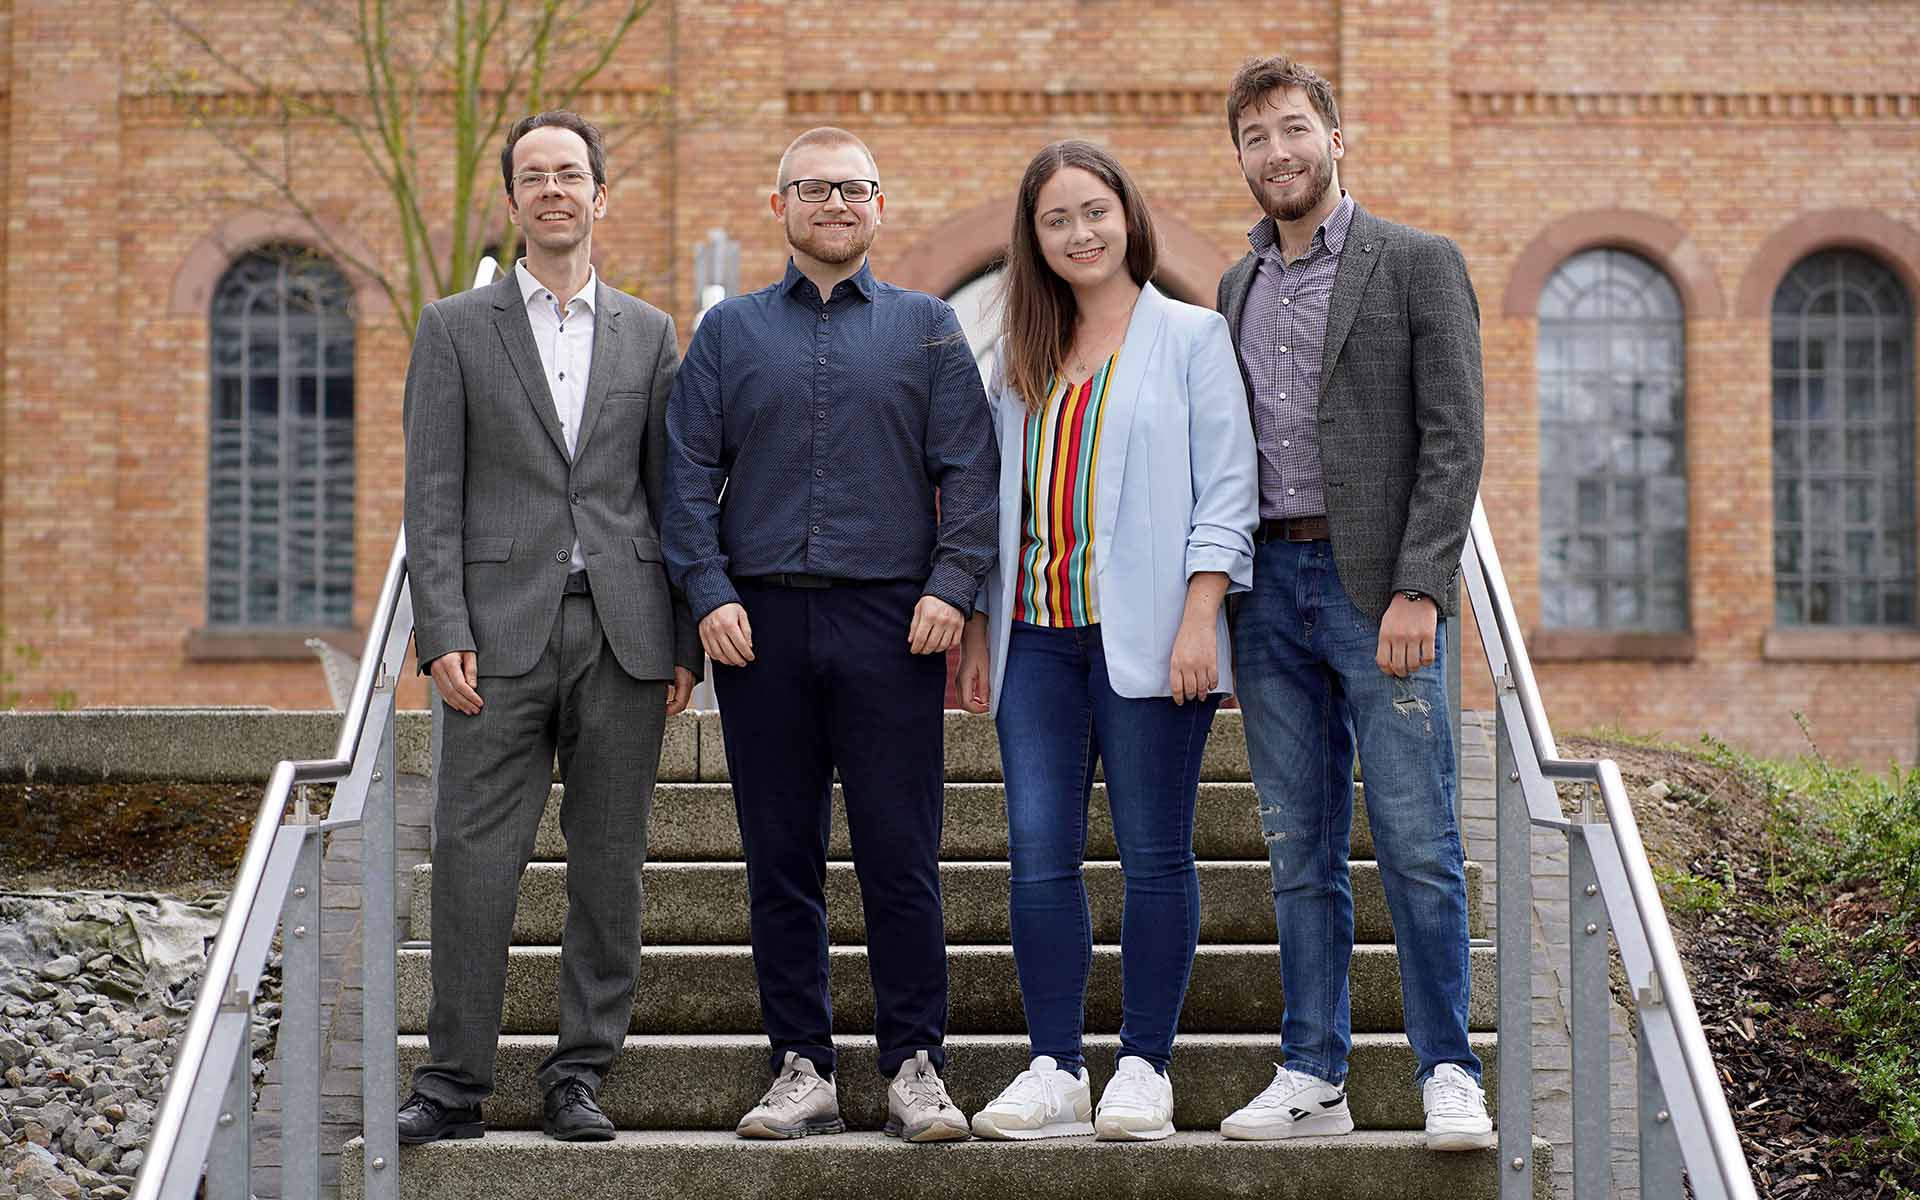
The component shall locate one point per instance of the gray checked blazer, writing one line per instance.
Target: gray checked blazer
(493, 504)
(1400, 411)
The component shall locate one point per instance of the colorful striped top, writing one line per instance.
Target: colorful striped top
(1056, 585)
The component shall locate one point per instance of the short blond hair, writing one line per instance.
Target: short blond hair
(821, 135)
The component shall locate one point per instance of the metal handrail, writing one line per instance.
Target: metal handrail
(220, 986)
(1513, 673)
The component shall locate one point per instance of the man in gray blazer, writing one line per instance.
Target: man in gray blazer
(535, 455)
(1360, 342)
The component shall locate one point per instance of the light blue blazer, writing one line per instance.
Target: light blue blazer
(1178, 492)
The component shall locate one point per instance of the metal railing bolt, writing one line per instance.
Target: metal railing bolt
(378, 776)
(300, 892)
(1663, 1116)
(1593, 889)
(1518, 1163)
(299, 931)
(1513, 777)
(379, 1164)
(226, 1119)
(1592, 929)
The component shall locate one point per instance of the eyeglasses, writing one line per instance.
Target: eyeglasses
(853, 191)
(526, 181)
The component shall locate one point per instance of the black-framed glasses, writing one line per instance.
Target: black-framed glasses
(853, 191)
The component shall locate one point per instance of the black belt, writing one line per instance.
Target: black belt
(577, 585)
(799, 579)
(1293, 529)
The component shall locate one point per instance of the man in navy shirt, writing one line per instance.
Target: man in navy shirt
(829, 586)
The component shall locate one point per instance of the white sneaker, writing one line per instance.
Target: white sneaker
(1456, 1111)
(1042, 1102)
(1137, 1105)
(1295, 1104)
(799, 1104)
(918, 1107)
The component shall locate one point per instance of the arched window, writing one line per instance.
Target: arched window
(1613, 477)
(280, 478)
(1843, 499)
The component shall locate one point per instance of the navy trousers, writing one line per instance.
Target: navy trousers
(833, 687)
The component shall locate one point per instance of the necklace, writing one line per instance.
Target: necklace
(1081, 364)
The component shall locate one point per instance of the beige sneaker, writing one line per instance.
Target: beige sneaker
(799, 1104)
(918, 1107)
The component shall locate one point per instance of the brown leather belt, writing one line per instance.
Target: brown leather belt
(1293, 529)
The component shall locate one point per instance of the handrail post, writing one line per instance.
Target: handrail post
(379, 1037)
(1589, 1012)
(299, 1041)
(1513, 858)
(1659, 1142)
(230, 1150)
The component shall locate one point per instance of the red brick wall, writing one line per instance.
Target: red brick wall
(1485, 119)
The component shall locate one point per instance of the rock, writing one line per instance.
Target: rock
(100, 1161)
(140, 1110)
(101, 963)
(56, 1117)
(1659, 789)
(66, 1188)
(86, 1144)
(112, 1110)
(13, 1051)
(153, 1027)
(16, 1077)
(130, 1162)
(37, 1135)
(111, 1191)
(129, 1135)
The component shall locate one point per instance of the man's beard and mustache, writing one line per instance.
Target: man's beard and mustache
(1319, 179)
(829, 248)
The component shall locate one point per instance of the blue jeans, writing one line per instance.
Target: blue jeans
(1058, 716)
(1311, 691)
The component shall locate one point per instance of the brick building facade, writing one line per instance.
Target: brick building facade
(1720, 143)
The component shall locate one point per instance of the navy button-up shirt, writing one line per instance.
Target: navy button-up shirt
(830, 423)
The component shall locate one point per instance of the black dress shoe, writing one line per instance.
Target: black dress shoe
(424, 1119)
(571, 1115)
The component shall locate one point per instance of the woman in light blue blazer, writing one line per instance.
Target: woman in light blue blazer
(1128, 501)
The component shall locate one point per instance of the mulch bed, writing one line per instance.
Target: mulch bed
(1798, 1117)
(175, 837)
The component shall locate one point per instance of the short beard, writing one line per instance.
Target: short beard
(809, 243)
(1319, 179)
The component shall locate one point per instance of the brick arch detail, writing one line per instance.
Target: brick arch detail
(1653, 237)
(969, 242)
(1893, 243)
(221, 246)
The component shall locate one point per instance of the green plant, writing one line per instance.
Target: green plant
(1689, 893)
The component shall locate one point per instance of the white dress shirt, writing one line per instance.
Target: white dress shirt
(564, 334)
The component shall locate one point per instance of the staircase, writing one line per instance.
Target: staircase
(695, 1057)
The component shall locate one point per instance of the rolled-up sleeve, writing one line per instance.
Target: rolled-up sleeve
(1226, 484)
(963, 459)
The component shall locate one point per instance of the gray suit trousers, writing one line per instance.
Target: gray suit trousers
(495, 774)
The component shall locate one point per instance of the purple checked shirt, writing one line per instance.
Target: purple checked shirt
(1283, 331)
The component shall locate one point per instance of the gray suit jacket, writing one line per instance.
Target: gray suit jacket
(1400, 411)
(493, 504)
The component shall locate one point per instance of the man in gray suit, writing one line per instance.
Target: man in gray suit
(1360, 342)
(535, 452)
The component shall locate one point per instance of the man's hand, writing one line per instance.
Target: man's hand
(1194, 670)
(1406, 636)
(727, 636)
(974, 681)
(936, 626)
(680, 691)
(457, 678)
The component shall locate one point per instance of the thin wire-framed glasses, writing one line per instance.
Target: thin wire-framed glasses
(571, 178)
(853, 191)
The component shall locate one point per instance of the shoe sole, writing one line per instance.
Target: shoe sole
(768, 1131)
(452, 1133)
(1120, 1133)
(932, 1133)
(1324, 1125)
(581, 1135)
(1455, 1139)
(983, 1127)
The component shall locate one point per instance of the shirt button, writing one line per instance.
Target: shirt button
(816, 529)
(1283, 395)
(822, 360)
(1283, 350)
(575, 498)
(561, 556)
(1289, 491)
(823, 316)
(563, 374)
(822, 414)
(1286, 441)
(819, 474)
(1285, 300)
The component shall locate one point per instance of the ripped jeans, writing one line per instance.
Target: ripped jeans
(1312, 693)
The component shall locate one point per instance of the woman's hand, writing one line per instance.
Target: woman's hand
(974, 681)
(1195, 669)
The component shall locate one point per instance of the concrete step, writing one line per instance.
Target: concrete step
(718, 1166)
(706, 903)
(694, 822)
(707, 1081)
(704, 989)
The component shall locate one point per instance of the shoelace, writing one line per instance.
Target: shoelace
(1141, 1090)
(794, 1085)
(1285, 1086)
(1454, 1096)
(1026, 1083)
(435, 1109)
(576, 1093)
(925, 1086)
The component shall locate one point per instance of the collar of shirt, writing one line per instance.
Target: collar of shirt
(862, 281)
(531, 287)
(1265, 238)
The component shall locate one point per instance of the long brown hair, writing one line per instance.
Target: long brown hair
(1038, 305)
